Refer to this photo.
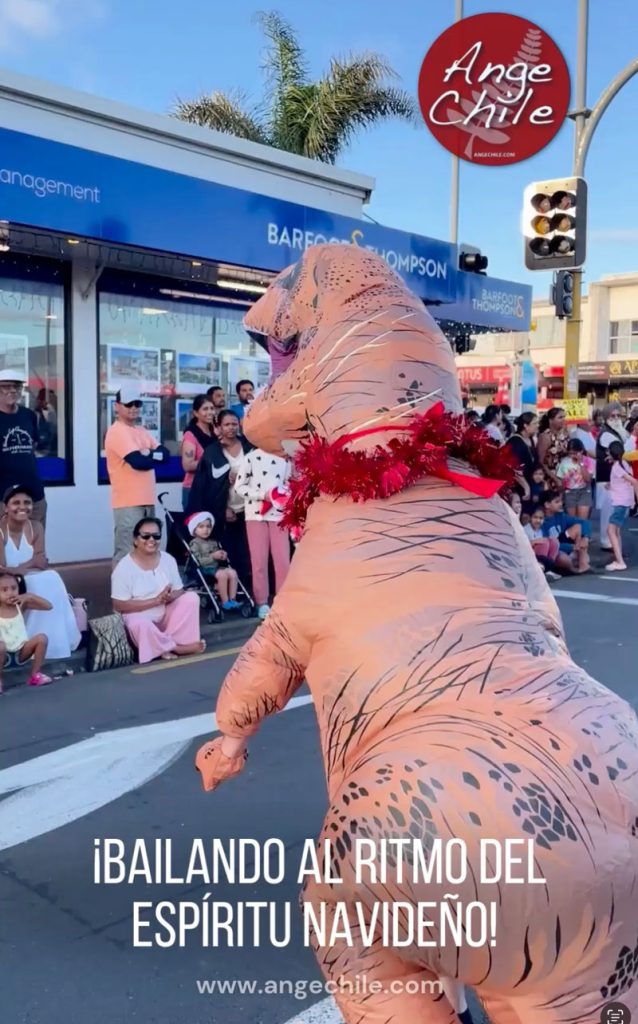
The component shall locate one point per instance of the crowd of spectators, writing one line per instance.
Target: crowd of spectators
(564, 473)
(232, 501)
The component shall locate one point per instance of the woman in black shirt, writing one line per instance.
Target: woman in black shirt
(523, 445)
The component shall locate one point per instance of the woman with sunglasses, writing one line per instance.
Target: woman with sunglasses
(22, 553)
(160, 616)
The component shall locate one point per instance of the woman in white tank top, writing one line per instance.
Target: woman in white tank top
(22, 551)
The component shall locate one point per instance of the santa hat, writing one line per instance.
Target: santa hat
(196, 520)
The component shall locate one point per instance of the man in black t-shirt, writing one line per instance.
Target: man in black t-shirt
(18, 438)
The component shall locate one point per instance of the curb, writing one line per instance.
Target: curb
(217, 635)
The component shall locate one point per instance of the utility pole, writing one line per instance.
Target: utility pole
(456, 162)
(580, 115)
(586, 122)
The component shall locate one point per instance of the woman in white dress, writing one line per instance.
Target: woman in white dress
(22, 553)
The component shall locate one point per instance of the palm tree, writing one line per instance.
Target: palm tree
(316, 119)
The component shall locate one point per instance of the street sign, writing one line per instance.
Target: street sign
(576, 409)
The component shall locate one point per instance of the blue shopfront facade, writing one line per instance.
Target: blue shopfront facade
(78, 329)
(95, 196)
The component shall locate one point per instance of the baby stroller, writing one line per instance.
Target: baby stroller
(193, 575)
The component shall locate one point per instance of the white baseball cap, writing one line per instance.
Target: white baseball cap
(129, 392)
(7, 376)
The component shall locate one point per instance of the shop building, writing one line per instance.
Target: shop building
(608, 347)
(131, 246)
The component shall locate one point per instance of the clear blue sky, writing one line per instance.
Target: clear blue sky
(148, 52)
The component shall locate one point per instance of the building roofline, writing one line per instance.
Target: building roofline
(161, 127)
(619, 279)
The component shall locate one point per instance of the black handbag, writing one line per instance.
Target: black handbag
(108, 644)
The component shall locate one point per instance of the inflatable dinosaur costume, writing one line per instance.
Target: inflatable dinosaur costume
(447, 702)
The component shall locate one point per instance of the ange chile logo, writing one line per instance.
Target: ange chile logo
(501, 114)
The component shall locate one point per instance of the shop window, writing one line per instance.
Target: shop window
(174, 345)
(623, 337)
(34, 297)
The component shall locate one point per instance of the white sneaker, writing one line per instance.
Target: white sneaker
(263, 611)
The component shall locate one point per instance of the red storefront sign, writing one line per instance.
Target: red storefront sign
(484, 376)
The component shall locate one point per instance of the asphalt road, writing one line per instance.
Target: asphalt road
(66, 944)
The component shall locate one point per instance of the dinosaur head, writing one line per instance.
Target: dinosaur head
(349, 343)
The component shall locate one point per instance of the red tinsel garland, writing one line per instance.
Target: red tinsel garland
(428, 440)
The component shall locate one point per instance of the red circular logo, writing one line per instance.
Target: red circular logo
(494, 89)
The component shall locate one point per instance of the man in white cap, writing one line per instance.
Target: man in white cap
(18, 439)
(132, 454)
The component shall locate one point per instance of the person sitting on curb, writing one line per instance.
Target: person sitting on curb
(573, 534)
(14, 640)
(146, 589)
(132, 454)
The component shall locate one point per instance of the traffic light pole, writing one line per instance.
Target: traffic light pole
(456, 165)
(572, 333)
(586, 122)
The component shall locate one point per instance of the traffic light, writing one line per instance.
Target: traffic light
(562, 294)
(472, 260)
(555, 224)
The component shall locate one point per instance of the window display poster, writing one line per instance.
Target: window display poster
(140, 366)
(149, 415)
(183, 416)
(256, 370)
(14, 354)
(197, 372)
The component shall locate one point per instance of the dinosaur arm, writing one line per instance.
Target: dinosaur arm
(267, 673)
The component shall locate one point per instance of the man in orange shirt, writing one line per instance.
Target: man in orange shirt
(131, 456)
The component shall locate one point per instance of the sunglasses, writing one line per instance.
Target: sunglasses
(150, 536)
(133, 405)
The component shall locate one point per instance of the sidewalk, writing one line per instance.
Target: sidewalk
(92, 581)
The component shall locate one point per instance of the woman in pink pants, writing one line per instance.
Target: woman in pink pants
(261, 482)
(160, 616)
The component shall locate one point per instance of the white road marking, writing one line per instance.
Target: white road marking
(617, 578)
(325, 1012)
(55, 789)
(579, 595)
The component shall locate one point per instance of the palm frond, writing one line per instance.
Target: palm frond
(294, 116)
(284, 67)
(222, 113)
(316, 119)
(284, 60)
(349, 98)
